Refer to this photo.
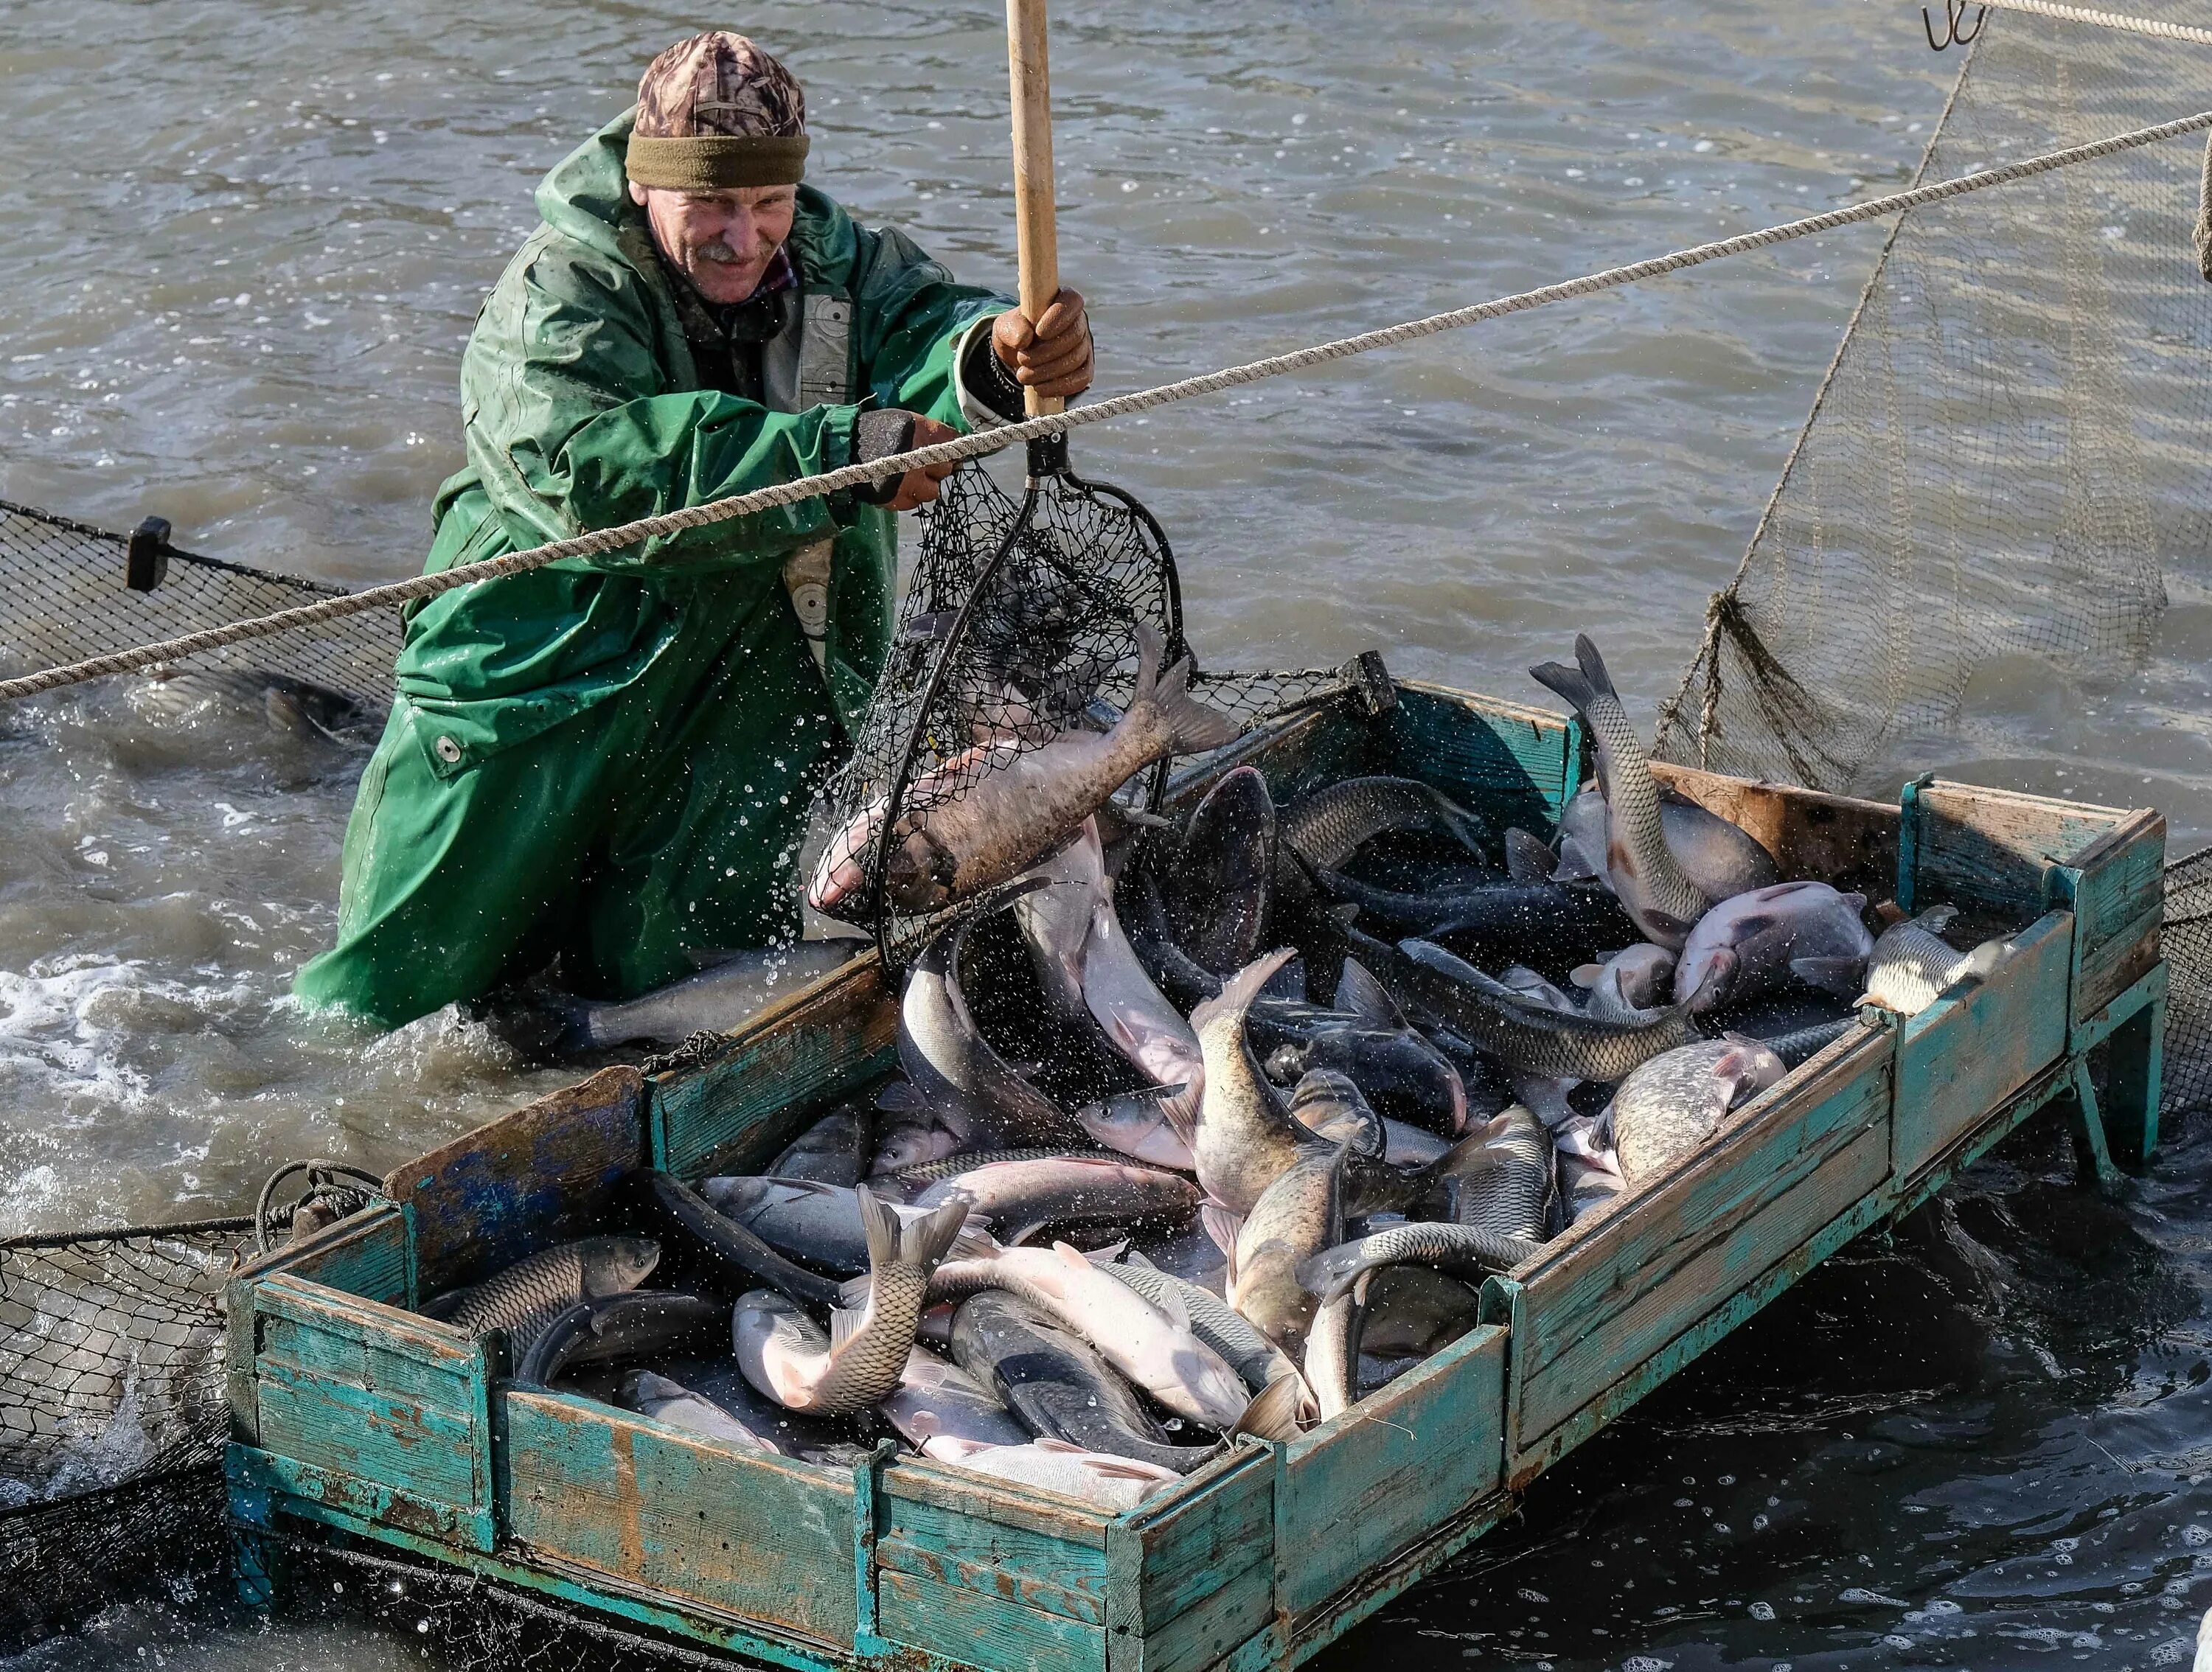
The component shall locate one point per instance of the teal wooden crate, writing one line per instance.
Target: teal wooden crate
(353, 1414)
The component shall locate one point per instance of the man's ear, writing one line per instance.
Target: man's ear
(637, 194)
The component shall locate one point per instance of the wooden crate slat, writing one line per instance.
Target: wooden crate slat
(974, 1628)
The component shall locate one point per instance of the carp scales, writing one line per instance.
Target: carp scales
(1646, 876)
(1024, 1197)
(526, 1297)
(1329, 826)
(1219, 894)
(994, 809)
(1721, 860)
(1911, 964)
(1671, 1105)
(1246, 1137)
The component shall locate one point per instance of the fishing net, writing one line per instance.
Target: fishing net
(69, 591)
(2188, 947)
(112, 1415)
(2009, 450)
(1022, 624)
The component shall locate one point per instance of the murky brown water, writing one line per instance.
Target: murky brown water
(244, 243)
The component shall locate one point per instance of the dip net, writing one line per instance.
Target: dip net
(1017, 630)
(2008, 453)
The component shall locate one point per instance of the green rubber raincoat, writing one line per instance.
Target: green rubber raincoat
(611, 758)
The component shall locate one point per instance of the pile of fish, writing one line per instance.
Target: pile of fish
(1207, 1128)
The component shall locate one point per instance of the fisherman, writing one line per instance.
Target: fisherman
(608, 760)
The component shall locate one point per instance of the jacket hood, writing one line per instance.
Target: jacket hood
(586, 198)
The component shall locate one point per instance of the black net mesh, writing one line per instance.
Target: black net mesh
(1023, 624)
(2009, 447)
(2188, 946)
(111, 1414)
(63, 597)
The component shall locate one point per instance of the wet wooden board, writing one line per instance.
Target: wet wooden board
(759, 1538)
(1513, 764)
(1837, 838)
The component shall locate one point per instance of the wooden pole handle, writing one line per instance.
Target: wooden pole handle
(1036, 234)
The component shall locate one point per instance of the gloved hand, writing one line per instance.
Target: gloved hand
(882, 431)
(1054, 355)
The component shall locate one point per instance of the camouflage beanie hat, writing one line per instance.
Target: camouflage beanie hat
(717, 113)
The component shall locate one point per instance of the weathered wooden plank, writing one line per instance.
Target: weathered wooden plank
(381, 1436)
(370, 1500)
(1575, 1290)
(2116, 888)
(287, 1297)
(1837, 838)
(762, 1538)
(1990, 848)
(1162, 1558)
(984, 1500)
(2135, 1069)
(974, 1628)
(1022, 1588)
(826, 1039)
(1515, 764)
(1207, 1631)
(1818, 1189)
(365, 1254)
(1388, 1472)
(1963, 1055)
(537, 1176)
(955, 1546)
(361, 1359)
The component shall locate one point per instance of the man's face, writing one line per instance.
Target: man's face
(722, 241)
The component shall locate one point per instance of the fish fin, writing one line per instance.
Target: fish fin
(925, 1242)
(1109, 1254)
(1274, 1412)
(1593, 666)
(1528, 859)
(1936, 919)
(1466, 828)
(1839, 975)
(1180, 1108)
(880, 1226)
(853, 1294)
(1984, 961)
(1192, 728)
(1109, 1467)
(1053, 1443)
(1857, 902)
(1072, 1255)
(1222, 1226)
(1136, 1257)
(1450, 963)
(1241, 988)
(974, 1241)
(1359, 992)
(1178, 1310)
(1586, 976)
(1287, 982)
(900, 1097)
(845, 1322)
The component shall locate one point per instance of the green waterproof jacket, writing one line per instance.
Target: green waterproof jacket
(583, 408)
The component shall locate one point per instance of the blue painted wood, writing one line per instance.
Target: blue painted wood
(1512, 764)
(977, 1629)
(2116, 889)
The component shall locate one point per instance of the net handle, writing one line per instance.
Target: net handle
(1037, 233)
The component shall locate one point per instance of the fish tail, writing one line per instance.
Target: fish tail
(880, 1226)
(1240, 990)
(1593, 669)
(1566, 684)
(1190, 727)
(924, 1243)
(1274, 1412)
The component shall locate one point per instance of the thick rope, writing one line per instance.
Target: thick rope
(600, 542)
(2140, 26)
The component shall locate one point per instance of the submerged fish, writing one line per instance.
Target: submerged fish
(1401, 1074)
(720, 1384)
(528, 1295)
(909, 1134)
(1756, 942)
(953, 1072)
(1637, 978)
(1097, 1478)
(1912, 964)
(1569, 923)
(835, 1150)
(825, 1225)
(1144, 916)
(1673, 1104)
(1412, 1311)
(666, 1400)
(784, 1353)
(1645, 873)
(743, 1256)
(1721, 860)
(1025, 1197)
(1330, 825)
(715, 1000)
(994, 810)
(1245, 1135)
(1220, 891)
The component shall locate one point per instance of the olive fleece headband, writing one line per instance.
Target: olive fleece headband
(717, 162)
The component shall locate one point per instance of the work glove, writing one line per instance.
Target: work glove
(881, 431)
